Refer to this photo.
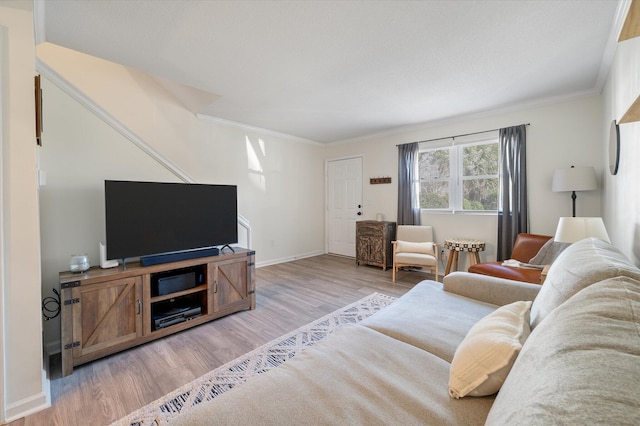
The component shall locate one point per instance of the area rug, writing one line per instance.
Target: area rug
(258, 361)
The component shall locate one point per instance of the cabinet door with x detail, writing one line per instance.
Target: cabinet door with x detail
(106, 315)
(230, 285)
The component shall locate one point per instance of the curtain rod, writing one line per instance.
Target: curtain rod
(459, 136)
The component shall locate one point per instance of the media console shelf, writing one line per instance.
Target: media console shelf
(108, 310)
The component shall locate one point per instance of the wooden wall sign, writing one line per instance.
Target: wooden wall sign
(379, 180)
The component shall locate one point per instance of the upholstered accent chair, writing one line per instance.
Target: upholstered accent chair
(525, 248)
(414, 246)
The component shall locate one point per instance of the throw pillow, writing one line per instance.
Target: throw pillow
(409, 247)
(484, 358)
(548, 252)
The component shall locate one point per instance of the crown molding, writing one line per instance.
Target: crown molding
(629, 11)
(612, 42)
(472, 116)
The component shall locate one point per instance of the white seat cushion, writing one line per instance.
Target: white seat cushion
(416, 259)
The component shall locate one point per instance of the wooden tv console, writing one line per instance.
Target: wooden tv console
(108, 310)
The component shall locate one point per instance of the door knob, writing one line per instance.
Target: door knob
(359, 206)
(359, 213)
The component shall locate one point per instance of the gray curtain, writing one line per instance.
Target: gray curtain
(513, 215)
(408, 185)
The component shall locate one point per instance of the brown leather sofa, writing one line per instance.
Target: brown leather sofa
(525, 247)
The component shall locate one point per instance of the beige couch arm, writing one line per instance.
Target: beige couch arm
(497, 291)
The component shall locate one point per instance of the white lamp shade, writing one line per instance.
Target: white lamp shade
(574, 179)
(572, 229)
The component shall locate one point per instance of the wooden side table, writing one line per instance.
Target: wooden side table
(457, 245)
(373, 243)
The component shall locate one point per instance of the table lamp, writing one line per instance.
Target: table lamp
(572, 229)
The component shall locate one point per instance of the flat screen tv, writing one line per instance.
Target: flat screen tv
(151, 218)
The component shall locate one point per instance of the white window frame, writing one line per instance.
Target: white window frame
(456, 158)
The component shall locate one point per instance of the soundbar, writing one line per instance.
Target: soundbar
(181, 315)
(157, 259)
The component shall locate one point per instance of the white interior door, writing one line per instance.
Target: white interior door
(344, 204)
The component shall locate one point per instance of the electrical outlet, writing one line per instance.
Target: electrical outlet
(443, 255)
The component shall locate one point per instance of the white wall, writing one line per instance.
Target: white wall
(560, 135)
(279, 179)
(22, 389)
(621, 200)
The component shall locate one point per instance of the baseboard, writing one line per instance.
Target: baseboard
(289, 259)
(30, 405)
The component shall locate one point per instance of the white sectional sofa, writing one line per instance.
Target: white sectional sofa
(576, 351)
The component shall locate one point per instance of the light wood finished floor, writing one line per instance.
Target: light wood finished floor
(289, 295)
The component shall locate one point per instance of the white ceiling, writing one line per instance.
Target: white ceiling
(336, 70)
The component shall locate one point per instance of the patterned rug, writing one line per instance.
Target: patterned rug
(258, 361)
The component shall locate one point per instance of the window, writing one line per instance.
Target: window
(462, 176)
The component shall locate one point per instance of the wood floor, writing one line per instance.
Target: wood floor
(289, 295)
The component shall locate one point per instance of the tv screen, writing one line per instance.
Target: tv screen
(147, 218)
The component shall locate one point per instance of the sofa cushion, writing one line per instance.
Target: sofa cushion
(416, 259)
(580, 265)
(356, 376)
(493, 290)
(581, 364)
(487, 353)
(430, 318)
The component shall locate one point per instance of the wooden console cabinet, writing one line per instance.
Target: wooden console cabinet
(373, 243)
(108, 310)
